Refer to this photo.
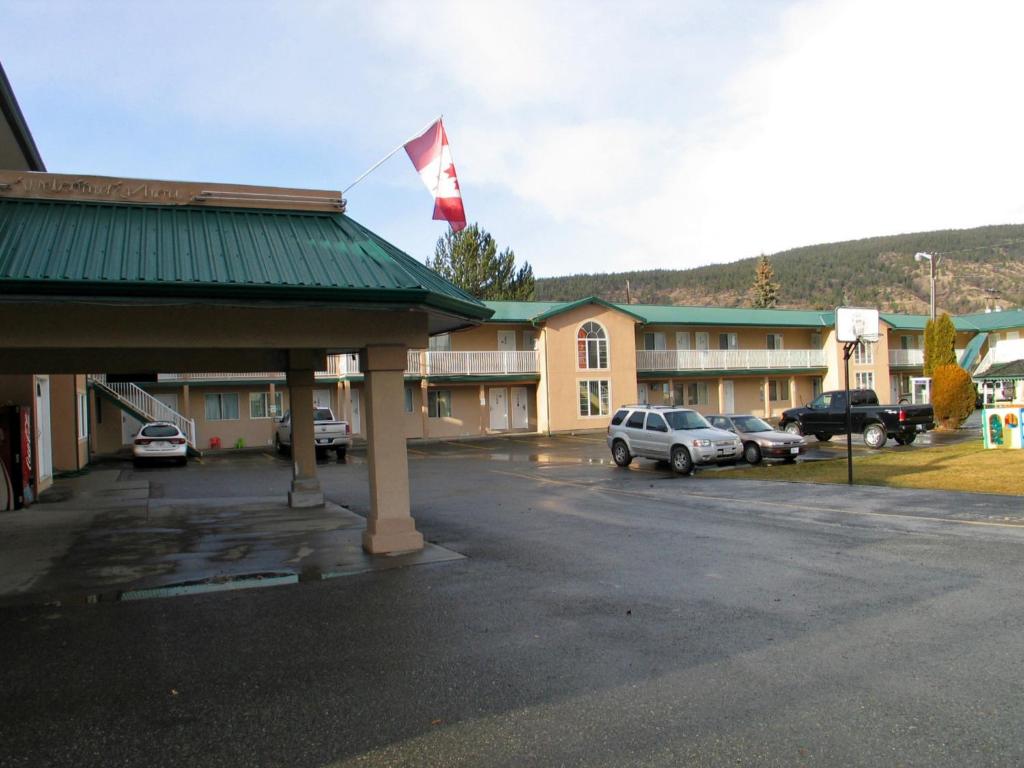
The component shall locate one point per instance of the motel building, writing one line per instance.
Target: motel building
(220, 307)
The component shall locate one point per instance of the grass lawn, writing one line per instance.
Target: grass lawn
(963, 467)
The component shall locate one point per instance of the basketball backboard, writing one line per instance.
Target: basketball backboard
(856, 324)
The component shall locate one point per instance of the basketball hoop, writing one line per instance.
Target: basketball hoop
(855, 327)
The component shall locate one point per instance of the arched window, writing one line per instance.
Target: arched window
(591, 346)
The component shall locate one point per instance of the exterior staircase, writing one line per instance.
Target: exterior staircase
(137, 402)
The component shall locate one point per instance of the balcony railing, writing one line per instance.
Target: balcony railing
(728, 359)
(472, 363)
(906, 358)
(912, 358)
(436, 364)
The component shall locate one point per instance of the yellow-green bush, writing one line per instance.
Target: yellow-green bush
(952, 395)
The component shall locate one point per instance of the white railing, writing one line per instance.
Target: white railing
(906, 358)
(437, 364)
(1005, 351)
(913, 358)
(474, 363)
(140, 401)
(728, 359)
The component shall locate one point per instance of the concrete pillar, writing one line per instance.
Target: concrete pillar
(389, 527)
(271, 399)
(485, 422)
(794, 401)
(721, 395)
(424, 401)
(767, 399)
(186, 406)
(305, 490)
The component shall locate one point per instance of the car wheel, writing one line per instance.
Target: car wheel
(321, 454)
(751, 453)
(874, 436)
(681, 461)
(278, 446)
(620, 453)
(183, 461)
(823, 437)
(906, 438)
(789, 460)
(793, 428)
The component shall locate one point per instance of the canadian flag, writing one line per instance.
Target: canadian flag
(432, 157)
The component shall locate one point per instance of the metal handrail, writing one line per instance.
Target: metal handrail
(140, 401)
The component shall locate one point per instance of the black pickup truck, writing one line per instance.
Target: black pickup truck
(826, 416)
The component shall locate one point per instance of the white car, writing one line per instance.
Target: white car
(665, 433)
(160, 440)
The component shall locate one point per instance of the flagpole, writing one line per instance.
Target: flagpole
(388, 156)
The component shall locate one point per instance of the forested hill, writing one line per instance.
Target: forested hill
(976, 268)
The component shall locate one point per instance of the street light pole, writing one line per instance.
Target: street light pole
(931, 269)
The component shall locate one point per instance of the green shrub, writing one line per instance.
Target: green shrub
(952, 395)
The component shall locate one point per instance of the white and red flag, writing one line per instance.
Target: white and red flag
(432, 157)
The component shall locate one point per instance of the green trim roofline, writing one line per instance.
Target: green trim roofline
(132, 251)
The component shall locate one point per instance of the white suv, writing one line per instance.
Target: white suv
(666, 433)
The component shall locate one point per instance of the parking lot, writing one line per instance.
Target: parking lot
(597, 616)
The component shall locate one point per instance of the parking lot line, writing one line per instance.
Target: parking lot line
(779, 504)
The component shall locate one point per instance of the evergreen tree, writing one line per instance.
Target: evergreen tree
(939, 344)
(765, 290)
(470, 260)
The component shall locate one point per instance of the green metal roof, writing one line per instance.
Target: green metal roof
(669, 315)
(1003, 371)
(557, 310)
(81, 248)
(654, 314)
(978, 321)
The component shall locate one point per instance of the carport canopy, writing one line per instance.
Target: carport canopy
(109, 275)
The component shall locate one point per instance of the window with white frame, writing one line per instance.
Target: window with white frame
(864, 354)
(865, 380)
(222, 407)
(655, 340)
(83, 416)
(408, 399)
(778, 390)
(817, 386)
(815, 340)
(591, 346)
(439, 403)
(728, 341)
(529, 340)
(594, 397)
(260, 405)
(442, 342)
(774, 341)
(697, 393)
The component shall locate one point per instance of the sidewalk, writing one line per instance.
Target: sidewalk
(106, 539)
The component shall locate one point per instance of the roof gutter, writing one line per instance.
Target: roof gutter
(16, 120)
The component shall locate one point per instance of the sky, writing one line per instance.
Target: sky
(588, 136)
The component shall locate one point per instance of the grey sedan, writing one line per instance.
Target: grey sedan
(760, 441)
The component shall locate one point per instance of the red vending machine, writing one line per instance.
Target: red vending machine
(16, 465)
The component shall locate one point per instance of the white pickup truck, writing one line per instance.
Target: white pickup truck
(328, 433)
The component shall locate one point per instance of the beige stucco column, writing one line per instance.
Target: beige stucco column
(794, 400)
(424, 402)
(305, 490)
(389, 527)
(721, 395)
(767, 399)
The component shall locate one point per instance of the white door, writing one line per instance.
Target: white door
(529, 340)
(729, 391)
(322, 398)
(682, 339)
(44, 455)
(520, 408)
(355, 423)
(506, 341)
(702, 341)
(498, 397)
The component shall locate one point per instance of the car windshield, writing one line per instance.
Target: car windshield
(751, 424)
(686, 420)
(160, 430)
(323, 414)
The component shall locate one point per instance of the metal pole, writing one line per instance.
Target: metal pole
(381, 162)
(931, 265)
(847, 351)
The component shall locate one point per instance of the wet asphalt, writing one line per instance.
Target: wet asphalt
(600, 617)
